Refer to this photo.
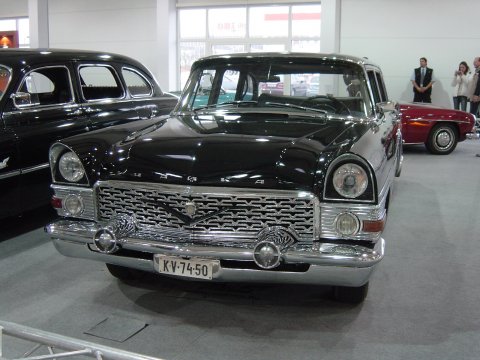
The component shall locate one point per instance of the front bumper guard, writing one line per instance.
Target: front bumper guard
(329, 263)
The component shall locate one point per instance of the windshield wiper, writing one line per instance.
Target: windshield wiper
(299, 107)
(237, 102)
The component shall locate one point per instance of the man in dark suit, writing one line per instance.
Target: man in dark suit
(422, 81)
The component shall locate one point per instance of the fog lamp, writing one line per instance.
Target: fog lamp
(105, 241)
(73, 205)
(266, 255)
(347, 224)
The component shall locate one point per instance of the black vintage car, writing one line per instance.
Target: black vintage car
(240, 184)
(46, 95)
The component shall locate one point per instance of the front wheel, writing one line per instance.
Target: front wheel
(442, 139)
(351, 295)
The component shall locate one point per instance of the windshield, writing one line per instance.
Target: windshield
(316, 86)
(5, 76)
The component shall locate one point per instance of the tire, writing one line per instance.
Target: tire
(124, 273)
(350, 295)
(442, 139)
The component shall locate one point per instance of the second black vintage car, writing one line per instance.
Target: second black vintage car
(240, 184)
(51, 94)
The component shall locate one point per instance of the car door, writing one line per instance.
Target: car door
(105, 100)
(42, 110)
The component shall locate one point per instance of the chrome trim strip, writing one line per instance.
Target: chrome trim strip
(208, 190)
(24, 171)
(10, 174)
(34, 168)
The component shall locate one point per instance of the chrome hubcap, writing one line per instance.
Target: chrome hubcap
(444, 138)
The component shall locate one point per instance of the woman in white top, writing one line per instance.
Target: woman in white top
(460, 81)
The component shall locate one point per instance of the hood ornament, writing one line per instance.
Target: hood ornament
(3, 164)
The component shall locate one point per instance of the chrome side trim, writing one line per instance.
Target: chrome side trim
(23, 171)
(35, 168)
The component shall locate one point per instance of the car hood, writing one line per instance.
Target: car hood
(247, 150)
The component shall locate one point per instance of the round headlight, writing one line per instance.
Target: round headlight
(70, 167)
(350, 180)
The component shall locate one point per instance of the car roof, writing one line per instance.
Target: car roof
(288, 55)
(30, 56)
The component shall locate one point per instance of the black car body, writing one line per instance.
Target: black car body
(240, 184)
(46, 95)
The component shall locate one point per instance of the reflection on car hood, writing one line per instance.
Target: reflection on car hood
(236, 150)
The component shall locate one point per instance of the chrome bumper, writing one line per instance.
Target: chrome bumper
(329, 264)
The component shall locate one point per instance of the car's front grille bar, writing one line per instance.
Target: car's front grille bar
(208, 213)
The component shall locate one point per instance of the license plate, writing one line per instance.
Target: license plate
(192, 268)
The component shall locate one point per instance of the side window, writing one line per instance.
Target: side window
(203, 89)
(381, 87)
(137, 85)
(99, 82)
(373, 83)
(45, 86)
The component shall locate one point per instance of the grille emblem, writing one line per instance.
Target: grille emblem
(190, 208)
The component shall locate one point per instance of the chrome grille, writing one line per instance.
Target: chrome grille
(218, 210)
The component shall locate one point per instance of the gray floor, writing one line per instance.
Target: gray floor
(424, 300)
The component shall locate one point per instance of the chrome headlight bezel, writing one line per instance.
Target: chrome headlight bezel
(66, 166)
(357, 170)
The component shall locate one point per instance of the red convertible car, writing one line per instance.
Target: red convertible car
(440, 129)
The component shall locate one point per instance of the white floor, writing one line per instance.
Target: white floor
(423, 301)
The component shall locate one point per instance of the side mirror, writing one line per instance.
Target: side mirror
(23, 100)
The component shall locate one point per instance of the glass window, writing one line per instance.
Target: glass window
(267, 47)
(381, 86)
(373, 84)
(189, 52)
(312, 46)
(45, 86)
(23, 32)
(269, 21)
(193, 23)
(8, 25)
(137, 85)
(306, 20)
(227, 49)
(220, 30)
(99, 82)
(227, 22)
(322, 86)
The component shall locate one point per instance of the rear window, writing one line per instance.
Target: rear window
(137, 85)
(99, 83)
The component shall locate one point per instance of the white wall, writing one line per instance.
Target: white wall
(16, 8)
(120, 26)
(392, 33)
(395, 34)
